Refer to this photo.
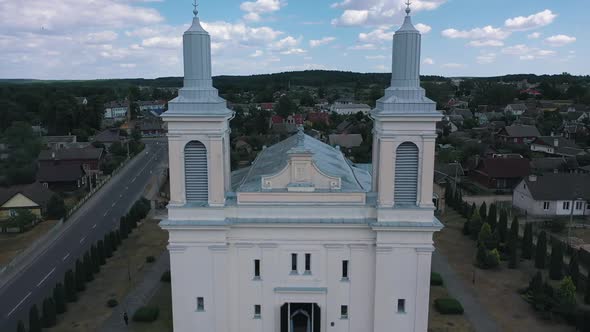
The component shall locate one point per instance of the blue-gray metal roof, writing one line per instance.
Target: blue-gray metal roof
(328, 159)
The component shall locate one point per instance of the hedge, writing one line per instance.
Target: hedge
(448, 306)
(146, 314)
(436, 279)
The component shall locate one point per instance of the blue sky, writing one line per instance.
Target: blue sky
(87, 39)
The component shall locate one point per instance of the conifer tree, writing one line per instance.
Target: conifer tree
(123, 227)
(80, 276)
(59, 297)
(49, 314)
(108, 246)
(503, 226)
(100, 249)
(587, 294)
(513, 244)
(114, 243)
(20, 327)
(486, 238)
(34, 321)
(556, 263)
(475, 225)
(527, 241)
(70, 286)
(541, 251)
(483, 211)
(94, 258)
(492, 217)
(88, 269)
(574, 270)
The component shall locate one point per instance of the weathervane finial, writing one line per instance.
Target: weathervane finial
(408, 9)
(195, 5)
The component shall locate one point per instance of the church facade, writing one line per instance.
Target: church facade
(303, 239)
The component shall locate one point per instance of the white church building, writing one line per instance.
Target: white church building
(302, 240)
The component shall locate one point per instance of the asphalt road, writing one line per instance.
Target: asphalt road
(97, 217)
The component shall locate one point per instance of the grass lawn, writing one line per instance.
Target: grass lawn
(12, 244)
(445, 323)
(495, 289)
(163, 300)
(112, 281)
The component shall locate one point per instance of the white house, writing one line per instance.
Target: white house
(349, 108)
(116, 110)
(552, 195)
(302, 240)
(515, 109)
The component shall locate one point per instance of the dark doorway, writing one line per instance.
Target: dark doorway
(300, 317)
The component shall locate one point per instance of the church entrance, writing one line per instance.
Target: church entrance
(300, 317)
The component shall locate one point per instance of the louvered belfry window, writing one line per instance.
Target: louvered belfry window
(195, 169)
(406, 174)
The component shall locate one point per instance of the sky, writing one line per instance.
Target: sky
(99, 39)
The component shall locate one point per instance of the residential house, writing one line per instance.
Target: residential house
(457, 103)
(108, 137)
(347, 109)
(553, 165)
(151, 128)
(116, 110)
(465, 113)
(346, 140)
(156, 107)
(58, 142)
(518, 134)
(268, 107)
(32, 197)
(515, 109)
(62, 177)
(501, 173)
(557, 146)
(574, 131)
(552, 195)
(82, 101)
(281, 125)
(314, 118)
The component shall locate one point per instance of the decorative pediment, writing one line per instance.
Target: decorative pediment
(300, 175)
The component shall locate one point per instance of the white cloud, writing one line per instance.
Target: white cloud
(376, 36)
(486, 58)
(486, 43)
(530, 22)
(428, 61)
(378, 12)
(487, 32)
(362, 47)
(560, 40)
(128, 65)
(375, 57)
(101, 37)
(163, 42)
(525, 52)
(254, 9)
(423, 28)
(320, 42)
(257, 53)
(534, 35)
(292, 51)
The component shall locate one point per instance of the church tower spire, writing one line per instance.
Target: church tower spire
(405, 129)
(198, 128)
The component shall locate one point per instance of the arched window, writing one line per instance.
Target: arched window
(406, 174)
(195, 172)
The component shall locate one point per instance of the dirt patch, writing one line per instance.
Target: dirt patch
(496, 290)
(12, 244)
(445, 323)
(112, 282)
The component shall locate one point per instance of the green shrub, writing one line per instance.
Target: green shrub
(448, 306)
(150, 259)
(166, 277)
(436, 279)
(558, 225)
(146, 314)
(112, 303)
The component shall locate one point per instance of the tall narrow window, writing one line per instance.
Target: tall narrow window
(406, 175)
(257, 310)
(257, 269)
(344, 311)
(293, 263)
(566, 205)
(200, 304)
(345, 270)
(307, 263)
(401, 306)
(195, 172)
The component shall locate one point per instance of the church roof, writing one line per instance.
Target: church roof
(329, 160)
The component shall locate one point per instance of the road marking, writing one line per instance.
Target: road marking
(45, 278)
(18, 305)
(113, 205)
(135, 178)
(120, 196)
(105, 214)
(82, 239)
(94, 226)
(66, 257)
(126, 188)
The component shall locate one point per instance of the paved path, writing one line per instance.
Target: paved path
(97, 217)
(481, 320)
(139, 296)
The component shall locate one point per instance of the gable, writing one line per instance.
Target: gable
(18, 201)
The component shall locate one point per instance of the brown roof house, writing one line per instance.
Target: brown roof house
(501, 173)
(32, 197)
(518, 134)
(551, 195)
(68, 169)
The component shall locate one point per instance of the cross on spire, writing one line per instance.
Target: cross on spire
(408, 9)
(195, 5)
